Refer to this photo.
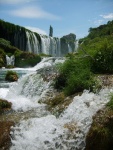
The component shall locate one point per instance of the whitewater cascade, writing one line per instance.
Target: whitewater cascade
(10, 60)
(47, 45)
(41, 130)
(50, 46)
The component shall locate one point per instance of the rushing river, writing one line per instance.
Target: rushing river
(37, 129)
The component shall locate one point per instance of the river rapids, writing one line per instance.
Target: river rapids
(41, 130)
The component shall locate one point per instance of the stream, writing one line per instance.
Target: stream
(36, 128)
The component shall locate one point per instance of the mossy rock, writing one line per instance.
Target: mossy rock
(58, 103)
(4, 105)
(100, 136)
(11, 76)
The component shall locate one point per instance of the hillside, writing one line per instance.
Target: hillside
(99, 45)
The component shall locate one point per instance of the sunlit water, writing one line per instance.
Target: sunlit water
(38, 129)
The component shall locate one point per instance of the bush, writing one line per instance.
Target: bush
(104, 59)
(75, 76)
(11, 76)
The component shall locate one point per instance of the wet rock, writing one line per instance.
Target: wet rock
(100, 136)
(5, 105)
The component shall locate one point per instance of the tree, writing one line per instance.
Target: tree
(51, 31)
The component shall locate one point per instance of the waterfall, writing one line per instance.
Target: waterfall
(69, 49)
(45, 45)
(41, 130)
(32, 43)
(10, 60)
(50, 46)
(76, 45)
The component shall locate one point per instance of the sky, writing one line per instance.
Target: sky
(65, 16)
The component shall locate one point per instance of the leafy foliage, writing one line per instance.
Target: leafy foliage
(98, 44)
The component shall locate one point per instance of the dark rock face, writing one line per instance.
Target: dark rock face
(68, 43)
(70, 37)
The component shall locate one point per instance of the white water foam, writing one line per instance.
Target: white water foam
(66, 132)
(3, 92)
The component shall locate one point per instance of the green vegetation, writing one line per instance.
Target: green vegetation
(95, 55)
(11, 76)
(26, 59)
(110, 103)
(98, 44)
(75, 76)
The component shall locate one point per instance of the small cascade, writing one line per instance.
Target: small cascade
(69, 49)
(10, 60)
(76, 45)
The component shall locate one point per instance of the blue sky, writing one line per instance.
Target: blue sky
(65, 16)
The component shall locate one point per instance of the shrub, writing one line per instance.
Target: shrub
(75, 76)
(104, 59)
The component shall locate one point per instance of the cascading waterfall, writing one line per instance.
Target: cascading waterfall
(10, 60)
(32, 43)
(50, 46)
(43, 131)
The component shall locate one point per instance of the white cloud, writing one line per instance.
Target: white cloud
(108, 16)
(14, 1)
(33, 12)
(35, 29)
(98, 22)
